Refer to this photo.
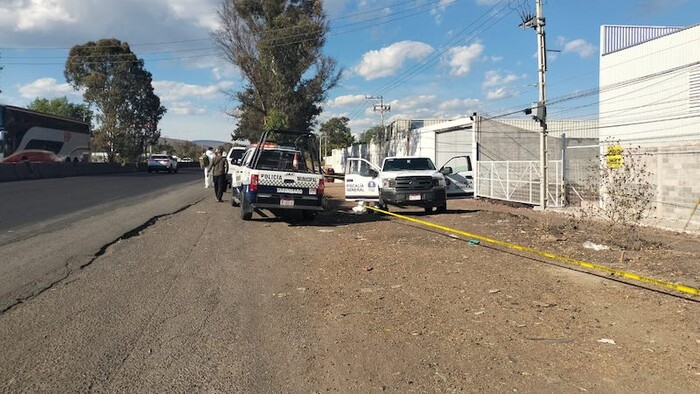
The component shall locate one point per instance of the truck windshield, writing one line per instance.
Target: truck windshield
(281, 160)
(410, 164)
(292, 151)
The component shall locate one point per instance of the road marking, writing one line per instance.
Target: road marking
(673, 286)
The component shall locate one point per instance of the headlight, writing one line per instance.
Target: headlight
(389, 183)
(439, 182)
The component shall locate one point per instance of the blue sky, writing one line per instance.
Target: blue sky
(426, 58)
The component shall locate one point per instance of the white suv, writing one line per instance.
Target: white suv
(162, 163)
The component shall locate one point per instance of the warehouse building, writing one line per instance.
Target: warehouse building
(650, 107)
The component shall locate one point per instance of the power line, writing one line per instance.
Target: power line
(421, 9)
(431, 59)
(194, 40)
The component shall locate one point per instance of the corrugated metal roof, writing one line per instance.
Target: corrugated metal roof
(617, 37)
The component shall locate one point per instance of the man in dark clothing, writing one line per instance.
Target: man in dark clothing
(219, 169)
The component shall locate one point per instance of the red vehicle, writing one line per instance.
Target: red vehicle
(31, 155)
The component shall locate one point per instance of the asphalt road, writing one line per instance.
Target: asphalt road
(28, 205)
(50, 228)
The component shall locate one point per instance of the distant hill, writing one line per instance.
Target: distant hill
(208, 143)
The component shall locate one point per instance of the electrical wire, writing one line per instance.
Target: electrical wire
(435, 55)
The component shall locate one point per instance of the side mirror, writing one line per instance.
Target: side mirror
(446, 170)
(373, 173)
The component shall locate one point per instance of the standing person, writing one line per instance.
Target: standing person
(204, 163)
(210, 179)
(219, 169)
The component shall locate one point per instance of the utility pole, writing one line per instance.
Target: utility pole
(540, 108)
(381, 108)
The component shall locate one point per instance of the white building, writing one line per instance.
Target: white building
(504, 153)
(650, 98)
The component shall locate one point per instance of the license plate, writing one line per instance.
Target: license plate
(414, 197)
(287, 202)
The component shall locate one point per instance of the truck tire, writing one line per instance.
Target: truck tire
(381, 204)
(234, 203)
(428, 208)
(308, 215)
(246, 212)
(442, 208)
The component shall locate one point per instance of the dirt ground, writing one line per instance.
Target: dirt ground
(661, 254)
(531, 324)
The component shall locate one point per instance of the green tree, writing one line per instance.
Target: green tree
(189, 149)
(277, 46)
(372, 133)
(337, 133)
(62, 107)
(164, 146)
(116, 81)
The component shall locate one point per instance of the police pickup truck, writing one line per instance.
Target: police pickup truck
(408, 181)
(281, 173)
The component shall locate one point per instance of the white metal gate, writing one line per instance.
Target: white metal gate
(519, 181)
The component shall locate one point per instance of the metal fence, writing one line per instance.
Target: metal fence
(519, 181)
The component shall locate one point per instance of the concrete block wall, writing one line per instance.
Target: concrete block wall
(676, 169)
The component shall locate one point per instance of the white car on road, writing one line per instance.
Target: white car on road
(162, 163)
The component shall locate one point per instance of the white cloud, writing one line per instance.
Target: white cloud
(439, 9)
(342, 101)
(63, 23)
(172, 91)
(359, 125)
(411, 107)
(185, 108)
(487, 2)
(499, 93)
(459, 105)
(494, 78)
(388, 60)
(579, 46)
(224, 71)
(38, 14)
(496, 59)
(47, 88)
(414, 103)
(461, 58)
(201, 12)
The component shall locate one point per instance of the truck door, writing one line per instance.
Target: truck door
(237, 175)
(460, 182)
(361, 180)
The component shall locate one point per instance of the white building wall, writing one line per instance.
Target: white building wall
(650, 98)
(644, 90)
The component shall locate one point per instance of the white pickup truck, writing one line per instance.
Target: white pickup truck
(408, 181)
(281, 173)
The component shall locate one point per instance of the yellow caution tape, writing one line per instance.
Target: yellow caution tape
(628, 275)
